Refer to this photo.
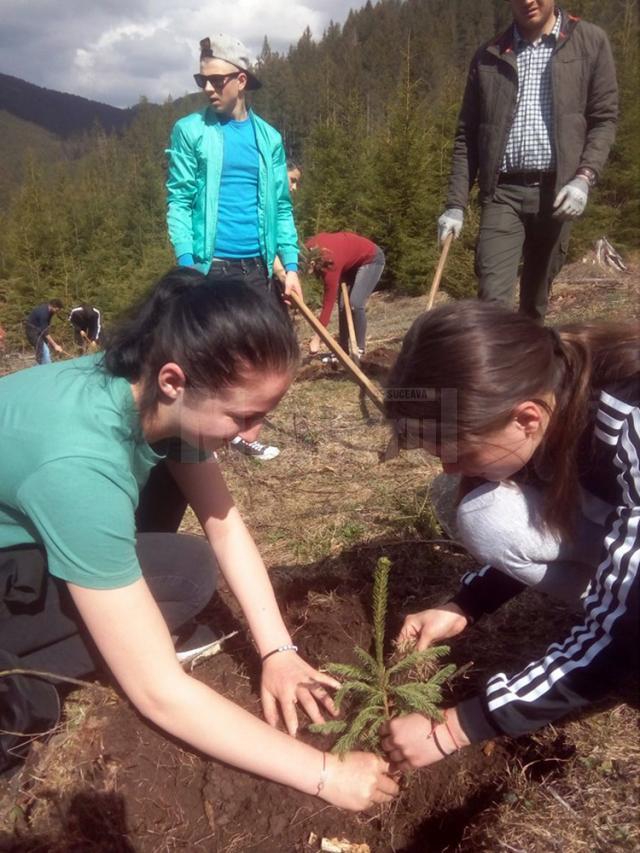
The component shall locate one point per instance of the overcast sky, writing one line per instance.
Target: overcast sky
(117, 50)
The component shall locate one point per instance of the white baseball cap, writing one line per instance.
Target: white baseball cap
(230, 49)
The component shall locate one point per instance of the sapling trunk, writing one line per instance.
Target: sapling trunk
(373, 689)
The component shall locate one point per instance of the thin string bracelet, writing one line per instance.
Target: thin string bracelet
(451, 735)
(432, 734)
(439, 745)
(323, 774)
(288, 647)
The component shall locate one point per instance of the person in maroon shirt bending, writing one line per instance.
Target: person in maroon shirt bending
(344, 256)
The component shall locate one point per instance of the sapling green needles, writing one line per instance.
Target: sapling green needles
(375, 690)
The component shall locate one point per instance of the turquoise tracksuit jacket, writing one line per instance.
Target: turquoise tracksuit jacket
(193, 183)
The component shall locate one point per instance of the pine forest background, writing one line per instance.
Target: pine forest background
(369, 111)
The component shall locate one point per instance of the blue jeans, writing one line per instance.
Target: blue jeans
(252, 270)
(38, 341)
(43, 354)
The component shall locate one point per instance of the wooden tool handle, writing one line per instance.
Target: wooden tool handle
(448, 240)
(355, 352)
(362, 380)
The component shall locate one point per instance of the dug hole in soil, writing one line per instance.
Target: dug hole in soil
(132, 789)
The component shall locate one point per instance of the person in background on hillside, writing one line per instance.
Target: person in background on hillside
(344, 256)
(537, 121)
(87, 579)
(294, 174)
(85, 320)
(543, 424)
(3, 337)
(229, 210)
(37, 327)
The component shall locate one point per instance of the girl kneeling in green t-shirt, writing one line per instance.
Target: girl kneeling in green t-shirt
(196, 363)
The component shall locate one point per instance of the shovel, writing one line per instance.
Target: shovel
(363, 381)
(355, 353)
(448, 240)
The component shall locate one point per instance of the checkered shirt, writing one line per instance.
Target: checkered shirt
(530, 145)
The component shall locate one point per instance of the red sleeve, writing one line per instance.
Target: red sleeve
(331, 279)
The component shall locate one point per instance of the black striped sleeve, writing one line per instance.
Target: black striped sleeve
(485, 591)
(588, 662)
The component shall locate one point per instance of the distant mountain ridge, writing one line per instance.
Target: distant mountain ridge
(58, 112)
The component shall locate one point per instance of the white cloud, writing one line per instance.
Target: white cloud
(115, 51)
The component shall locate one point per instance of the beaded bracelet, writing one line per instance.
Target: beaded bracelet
(289, 647)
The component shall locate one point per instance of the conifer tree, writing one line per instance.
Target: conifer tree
(406, 193)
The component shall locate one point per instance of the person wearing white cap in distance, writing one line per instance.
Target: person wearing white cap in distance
(229, 208)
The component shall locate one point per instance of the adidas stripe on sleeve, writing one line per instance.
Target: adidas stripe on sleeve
(582, 668)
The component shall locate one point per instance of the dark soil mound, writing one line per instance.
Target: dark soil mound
(131, 789)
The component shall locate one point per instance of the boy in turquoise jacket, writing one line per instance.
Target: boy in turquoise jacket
(229, 210)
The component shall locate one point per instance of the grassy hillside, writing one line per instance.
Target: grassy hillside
(17, 138)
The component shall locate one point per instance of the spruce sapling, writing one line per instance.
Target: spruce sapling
(374, 691)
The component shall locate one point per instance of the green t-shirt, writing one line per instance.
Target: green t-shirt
(72, 463)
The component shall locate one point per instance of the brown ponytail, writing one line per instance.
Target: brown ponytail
(491, 359)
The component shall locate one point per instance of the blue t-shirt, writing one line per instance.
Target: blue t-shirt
(237, 234)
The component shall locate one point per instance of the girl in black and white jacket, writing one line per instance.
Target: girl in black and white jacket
(543, 425)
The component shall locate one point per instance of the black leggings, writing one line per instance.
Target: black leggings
(41, 629)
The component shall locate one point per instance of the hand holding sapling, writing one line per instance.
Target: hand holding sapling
(431, 626)
(375, 691)
(357, 780)
(409, 741)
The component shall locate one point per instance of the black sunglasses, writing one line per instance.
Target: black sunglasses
(218, 81)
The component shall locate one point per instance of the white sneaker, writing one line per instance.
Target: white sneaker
(255, 449)
(196, 655)
(191, 654)
(330, 360)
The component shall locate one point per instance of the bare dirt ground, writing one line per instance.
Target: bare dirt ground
(322, 513)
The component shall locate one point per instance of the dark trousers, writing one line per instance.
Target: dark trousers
(252, 270)
(517, 224)
(41, 629)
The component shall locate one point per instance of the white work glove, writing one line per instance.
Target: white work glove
(450, 223)
(572, 199)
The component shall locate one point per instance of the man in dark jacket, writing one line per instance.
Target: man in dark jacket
(537, 122)
(86, 322)
(36, 327)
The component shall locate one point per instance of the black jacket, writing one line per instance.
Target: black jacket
(585, 108)
(586, 664)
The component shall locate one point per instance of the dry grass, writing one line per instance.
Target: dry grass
(56, 765)
(587, 801)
